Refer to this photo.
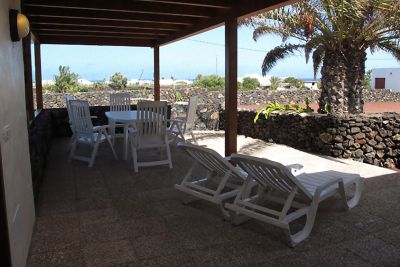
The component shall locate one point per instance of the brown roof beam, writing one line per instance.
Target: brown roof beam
(72, 28)
(125, 6)
(90, 40)
(106, 15)
(37, 21)
(241, 8)
(203, 3)
(96, 34)
(249, 8)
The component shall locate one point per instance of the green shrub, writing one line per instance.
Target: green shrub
(293, 82)
(250, 83)
(275, 106)
(50, 88)
(118, 81)
(271, 106)
(100, 85)
(66, 81)
(367, 80)
(275, 81)
(178, 96)
(211, 82)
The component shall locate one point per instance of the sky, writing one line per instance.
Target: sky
(199, 54)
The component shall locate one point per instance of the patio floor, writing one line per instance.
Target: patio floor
(109, 216)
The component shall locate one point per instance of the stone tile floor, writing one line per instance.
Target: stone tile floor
(109, 216)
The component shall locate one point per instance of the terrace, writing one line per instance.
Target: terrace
(107, 215)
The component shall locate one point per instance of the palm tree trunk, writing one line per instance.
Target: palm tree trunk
(342, 82)
(355, 66)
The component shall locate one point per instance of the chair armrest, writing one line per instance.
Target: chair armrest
(177, 122)
(100, 128)
(175, 119)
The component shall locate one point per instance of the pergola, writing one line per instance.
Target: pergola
(142, 23)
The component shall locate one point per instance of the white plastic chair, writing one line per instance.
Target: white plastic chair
(150, 131)
(67, 99)
(297, 195)
(85, 132)
(120, 102)
(221, 183)
(180, 127)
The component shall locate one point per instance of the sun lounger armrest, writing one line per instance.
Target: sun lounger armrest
(295, 169)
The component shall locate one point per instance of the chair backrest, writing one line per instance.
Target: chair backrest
(268, 173)
(67, 99)
(211, 160)
(191, 113)
(151, 118)
(81, 120)
(120, 102)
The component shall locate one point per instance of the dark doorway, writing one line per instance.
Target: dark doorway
(5, 253)
(380, 83)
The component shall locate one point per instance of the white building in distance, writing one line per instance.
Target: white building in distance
(386, 78)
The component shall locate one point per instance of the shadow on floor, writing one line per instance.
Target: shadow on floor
(109, 216)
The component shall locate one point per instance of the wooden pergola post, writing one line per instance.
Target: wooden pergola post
(230, 86)
(26, 50)
(157, 73)
(38, 75)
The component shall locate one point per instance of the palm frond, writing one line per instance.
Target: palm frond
(318, 57)
(392, 48)
(269, 29)
(277, 54)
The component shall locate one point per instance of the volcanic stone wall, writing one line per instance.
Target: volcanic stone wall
(40, 133)
(213, 98)
(373, 139)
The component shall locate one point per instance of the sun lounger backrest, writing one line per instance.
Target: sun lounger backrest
(210, 160)
(271, 174)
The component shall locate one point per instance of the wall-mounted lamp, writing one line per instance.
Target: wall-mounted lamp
(19, 25)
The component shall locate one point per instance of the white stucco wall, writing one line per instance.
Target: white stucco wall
(15, 151)
(391, 75)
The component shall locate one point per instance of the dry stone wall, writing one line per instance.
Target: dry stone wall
(373, 139)
(214, 98)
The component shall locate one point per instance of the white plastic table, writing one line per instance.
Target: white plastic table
(126, 118)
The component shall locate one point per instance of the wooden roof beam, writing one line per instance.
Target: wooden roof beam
(91, 40)
(125, 6)
(106, 15)
(54, 21)
(95, 34)
(203, 3)
(72, 28)
(241, 8)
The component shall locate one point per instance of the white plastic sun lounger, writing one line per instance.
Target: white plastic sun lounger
(297, 195)
(222, 181)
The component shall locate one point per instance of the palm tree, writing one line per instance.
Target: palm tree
(275, 81)
(337, 34)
